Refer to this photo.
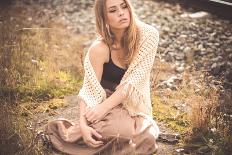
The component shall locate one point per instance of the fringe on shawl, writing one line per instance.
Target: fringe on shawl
(134, 97)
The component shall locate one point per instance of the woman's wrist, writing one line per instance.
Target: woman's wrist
(115, 99)
(106, 105)
(83, 125)
(82, 121)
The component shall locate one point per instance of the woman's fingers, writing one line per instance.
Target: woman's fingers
(92, 142)
(89, 143)
(95, 121)
(90, 116)
(95, 133)
(88, 136)
(96, 143)
(93, 118)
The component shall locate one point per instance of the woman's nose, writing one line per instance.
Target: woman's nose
(121, 12)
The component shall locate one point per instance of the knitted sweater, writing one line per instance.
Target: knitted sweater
(137, 75)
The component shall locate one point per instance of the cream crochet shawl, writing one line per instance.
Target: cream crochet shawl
(137, 74)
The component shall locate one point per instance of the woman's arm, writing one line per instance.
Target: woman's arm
(116, 98)
(98, 112)
(82, 111)
(87, 131)
(98, 55)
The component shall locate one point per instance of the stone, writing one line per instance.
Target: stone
(180, 69)
(199, 14)
(169, 138)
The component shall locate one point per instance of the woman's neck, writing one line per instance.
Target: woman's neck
(118, 34)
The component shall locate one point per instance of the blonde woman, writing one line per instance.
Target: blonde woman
(115, 103)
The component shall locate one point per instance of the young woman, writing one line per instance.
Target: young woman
(115, 103)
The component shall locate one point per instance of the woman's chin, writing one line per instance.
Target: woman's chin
(123, 26)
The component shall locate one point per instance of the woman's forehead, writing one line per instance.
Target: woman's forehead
(111, 3)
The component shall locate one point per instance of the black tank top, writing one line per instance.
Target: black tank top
(112, 74)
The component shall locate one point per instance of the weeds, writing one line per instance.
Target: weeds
(206, 117)
(36, 65)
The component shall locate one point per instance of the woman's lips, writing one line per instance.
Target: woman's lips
(123, 20)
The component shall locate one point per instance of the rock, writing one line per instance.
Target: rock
(182, 106)
(29, 18)
(203, 150)
(200, 47)
(230, 56)
(169, 138)
(180, 69)
(229, 76)
(71, 9)
(217, 59)
(216, 69)
(184, 15)
(179, 56)
(166, 29)
(187, 50)
(183, 151)
(171, 83)
(200, 14)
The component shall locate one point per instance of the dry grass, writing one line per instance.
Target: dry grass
(37, 63)
(38, 68)
(201, 118)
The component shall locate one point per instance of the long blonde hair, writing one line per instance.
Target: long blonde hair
(129, 41)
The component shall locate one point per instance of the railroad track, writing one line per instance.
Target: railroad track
(224, 2)
(220, 8)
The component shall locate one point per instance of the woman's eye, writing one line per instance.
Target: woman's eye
(112, 10)
(124, 6)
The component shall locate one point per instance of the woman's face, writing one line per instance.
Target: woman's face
(118, 15)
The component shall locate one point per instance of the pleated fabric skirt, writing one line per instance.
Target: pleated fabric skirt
(122, 134)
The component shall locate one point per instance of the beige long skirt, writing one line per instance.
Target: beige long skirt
(122, 134)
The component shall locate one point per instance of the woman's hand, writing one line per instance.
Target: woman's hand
(87, 135)
(96, 113)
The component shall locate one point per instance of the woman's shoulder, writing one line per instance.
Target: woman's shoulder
(99, 50)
